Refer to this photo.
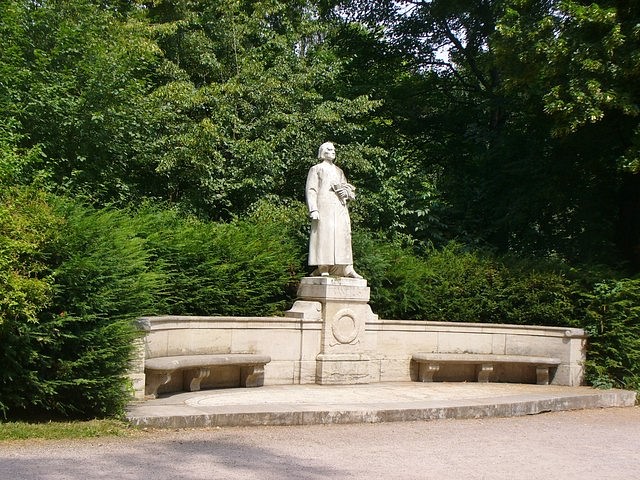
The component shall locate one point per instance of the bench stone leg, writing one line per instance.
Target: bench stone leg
(486, 369)
(426, 371)
(542, 375)
(154, 381)
(192, 378)
(252, 376)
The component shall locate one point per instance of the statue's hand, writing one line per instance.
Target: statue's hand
(314, 215)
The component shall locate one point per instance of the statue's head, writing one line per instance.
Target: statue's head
(327, 151)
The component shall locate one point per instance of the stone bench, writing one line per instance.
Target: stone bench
(429, 364)
(195, 368)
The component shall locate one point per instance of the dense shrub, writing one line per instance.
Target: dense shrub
(104, 279)
(613, 323)
(454, 284)
(73, 282)
(74, 279)
(245, 267)
(17, 165)
(27, 226)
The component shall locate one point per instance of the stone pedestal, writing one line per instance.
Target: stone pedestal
(344, 310)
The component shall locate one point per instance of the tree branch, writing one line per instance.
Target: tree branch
(470, 60)
(453, 70)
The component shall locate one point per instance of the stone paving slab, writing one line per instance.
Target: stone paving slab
(380, 402)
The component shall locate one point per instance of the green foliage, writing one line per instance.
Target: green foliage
(455, 284)
(28, 226)
(74, 80)
(510, 123)
(613, 325)
(580, 52)
(17, 165)
(402, 193)
(249, 93)
(520, 118)
(103, 280)
(73, 280)
(245, 267)
(571, 79)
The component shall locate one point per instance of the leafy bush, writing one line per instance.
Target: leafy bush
(613, 324)
(103, 280)
(73, 281)
(17, 166)
(245, 267)
(27, 226)
(454, 284)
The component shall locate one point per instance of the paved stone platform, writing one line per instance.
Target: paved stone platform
(371, 403)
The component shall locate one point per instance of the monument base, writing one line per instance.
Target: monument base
(341, 304)
(342, 369)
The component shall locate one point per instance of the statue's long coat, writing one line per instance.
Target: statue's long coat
(330, 240)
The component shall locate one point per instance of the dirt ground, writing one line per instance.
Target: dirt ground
(587, 444)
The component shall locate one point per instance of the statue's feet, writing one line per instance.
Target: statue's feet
(335, 270)
(321, 271)
(349, 272)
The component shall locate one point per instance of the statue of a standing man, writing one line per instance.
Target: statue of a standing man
(328, 194)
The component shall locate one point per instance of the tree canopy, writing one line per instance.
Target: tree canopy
(527, 110)
(511, 124)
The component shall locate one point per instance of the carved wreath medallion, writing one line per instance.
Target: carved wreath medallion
(345, 327)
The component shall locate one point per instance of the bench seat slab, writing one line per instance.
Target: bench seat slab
(429, 364)
(198, 367)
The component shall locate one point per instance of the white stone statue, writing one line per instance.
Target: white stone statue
(328, 194)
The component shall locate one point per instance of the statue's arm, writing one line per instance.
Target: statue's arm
(311, 192)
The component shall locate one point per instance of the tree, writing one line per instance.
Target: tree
(247, 91)
(576, 63)
(535, 122)
(77, 74)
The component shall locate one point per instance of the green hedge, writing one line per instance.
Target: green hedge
(613, 323)
(103, 280)
(27, 226)
(73, 281)
(244, 268)
(458, 285)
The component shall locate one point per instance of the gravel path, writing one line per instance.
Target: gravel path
(587, 444)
